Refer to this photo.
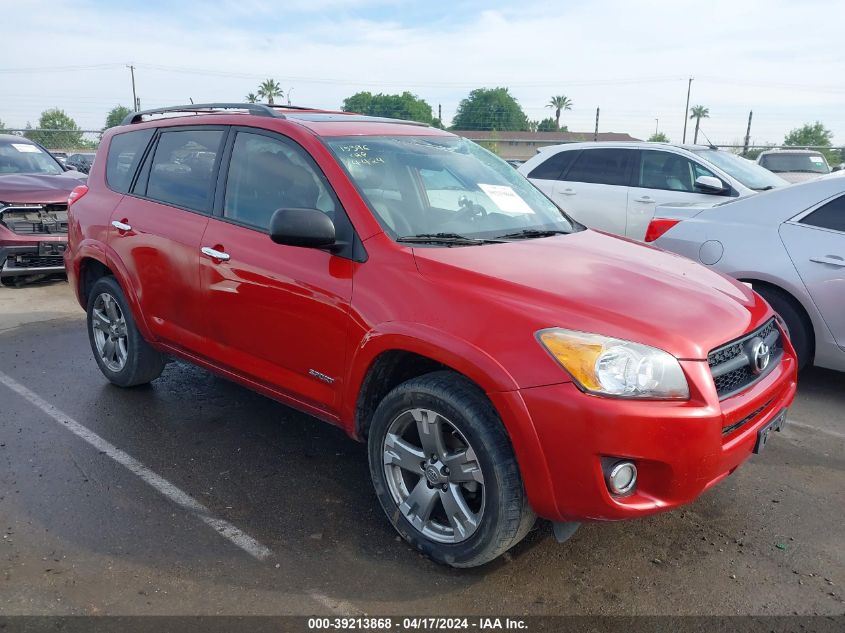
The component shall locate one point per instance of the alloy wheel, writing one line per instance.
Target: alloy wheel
(110, 335)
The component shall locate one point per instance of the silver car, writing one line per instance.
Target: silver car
(789, 244)
(794, 165)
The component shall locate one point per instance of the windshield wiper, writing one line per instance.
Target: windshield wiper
(445, 238)
(528, 234)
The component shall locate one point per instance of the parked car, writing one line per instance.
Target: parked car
(34, 188)
(59, 156)
(789, 244)
(794, 165)
(410, 287)
(615, 187)
(80, 162)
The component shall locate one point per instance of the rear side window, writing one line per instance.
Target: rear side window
(125, 151)
(601, 166)
(554, 166)
(829, 216)
(182, 170)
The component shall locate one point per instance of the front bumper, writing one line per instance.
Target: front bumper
(681, 448)
(41, 257)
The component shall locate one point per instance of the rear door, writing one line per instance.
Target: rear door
(662, 177)
(278, 314)
(156, 230)
(816, 244)
(594, 189)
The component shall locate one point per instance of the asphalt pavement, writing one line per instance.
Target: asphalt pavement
(196, 496)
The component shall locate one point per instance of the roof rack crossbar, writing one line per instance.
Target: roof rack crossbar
(258, 109)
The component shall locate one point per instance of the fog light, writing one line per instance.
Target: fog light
(622, 477)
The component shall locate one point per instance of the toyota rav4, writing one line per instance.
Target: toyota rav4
(501, 361)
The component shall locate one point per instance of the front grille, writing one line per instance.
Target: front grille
(732, 365)
(748, 418)
(35, 219)
(35, 261)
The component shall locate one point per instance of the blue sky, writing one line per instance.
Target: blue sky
(781, 58)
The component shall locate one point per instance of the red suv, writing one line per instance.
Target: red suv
(34, 188)
(500, 360)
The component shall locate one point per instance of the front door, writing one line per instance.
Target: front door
(277, 314)
(156, 230)
(816, 244)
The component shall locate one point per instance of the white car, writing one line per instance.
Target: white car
(615, 187)
(794, 165)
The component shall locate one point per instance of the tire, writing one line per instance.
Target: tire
(494, 515)
(130, 360)
(800, 330)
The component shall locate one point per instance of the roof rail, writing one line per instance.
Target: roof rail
(258, 109)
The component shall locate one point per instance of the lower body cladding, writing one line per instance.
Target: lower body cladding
(40, 258)
(604, 459)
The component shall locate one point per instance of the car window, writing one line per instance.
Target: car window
(787, 162)
(554, 166)
(828, 216)
(182, 170)
(125, 151)
(601, 166)
(23, 157)
(748, 173)
(666, 170)
(266, 174)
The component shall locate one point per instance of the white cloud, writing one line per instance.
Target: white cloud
(631, 59)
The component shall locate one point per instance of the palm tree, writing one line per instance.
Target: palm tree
(559, 103)
(252, 98)
(269, 89)
(698, 112)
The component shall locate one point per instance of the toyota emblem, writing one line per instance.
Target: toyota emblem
(760, 355)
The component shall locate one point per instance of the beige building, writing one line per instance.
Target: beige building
(523, 145)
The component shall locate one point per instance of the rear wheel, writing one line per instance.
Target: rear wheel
(122, 354)
(445, 473)
(799, 328)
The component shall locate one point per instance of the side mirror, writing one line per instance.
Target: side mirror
(837, 168)
(710, 184)
(310, 228)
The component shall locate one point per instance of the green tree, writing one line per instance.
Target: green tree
(116, 115)
(698, 112)
(658, 137)
(67, 136)
(813, 134)
(490, 109)
(560, 104)
(405, 106)
(548, 125)
(252, 98)
(270, 89)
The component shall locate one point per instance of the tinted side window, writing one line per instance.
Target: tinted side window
(829, 216)
(125, 151)
(601, 166)
(182, 171)
(554, 166)
(665, 170)
(266, 174)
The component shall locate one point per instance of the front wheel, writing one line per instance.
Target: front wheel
(122, 354)
(445, 473)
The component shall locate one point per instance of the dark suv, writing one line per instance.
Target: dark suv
(34, 189)
(500, 360)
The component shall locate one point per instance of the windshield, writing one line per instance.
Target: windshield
(749, 174)
(22, 157)
(439, 185)
(806, 163)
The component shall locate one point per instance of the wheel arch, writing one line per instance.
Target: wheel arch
(793, 300)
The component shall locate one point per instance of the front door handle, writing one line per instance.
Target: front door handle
(215, 254)
(832, 260)
(644, 199)
(121, 226)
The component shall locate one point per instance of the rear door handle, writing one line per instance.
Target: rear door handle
(568, 192)
(644, 199)
(832, 260)
(121, 226)
(215, 254)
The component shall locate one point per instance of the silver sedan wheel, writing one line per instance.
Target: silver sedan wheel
(109, 326)
(433, 475)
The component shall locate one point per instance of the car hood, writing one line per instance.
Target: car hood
(595, 282)
(38, 188)
(799, 176)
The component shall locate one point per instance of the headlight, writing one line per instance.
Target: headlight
(613, 367)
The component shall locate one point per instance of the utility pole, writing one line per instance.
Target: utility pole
(656, 125)
(747, 134)
(440, 113)
(686, 112)
(290, 90)
(596, 133)
(134, 97)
